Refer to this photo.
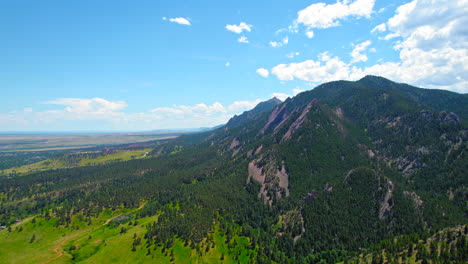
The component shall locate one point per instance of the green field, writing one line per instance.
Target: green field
(106, 239)
(61, 162)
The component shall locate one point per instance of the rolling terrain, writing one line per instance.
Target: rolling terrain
(370, 171)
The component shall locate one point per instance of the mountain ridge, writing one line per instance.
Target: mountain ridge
(319, 176)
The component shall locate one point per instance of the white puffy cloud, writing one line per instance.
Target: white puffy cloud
(444, 69)
(425, 27)
(432, 47)
(227, 64)
(297, 91)
(88, 106)
(309, 34)
(188, 110)
(284, 96)
(239, 28)
(357, 54)
(78, 113)
(263, 72)
(242, 105)
(275, 44)
(179, 20)
(326, 68)
(283, 42)
(322, 15)
(242, 39)
(390, 36)
(381, 28)
(74, 114)
(281, 96)
(198, 115)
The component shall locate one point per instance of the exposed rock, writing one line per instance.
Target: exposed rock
(387, 204)
(255, 173)
(328, 188)
(423, 150)
(310, 196)
(283, 179)
(274, 181)
(234, 153)
(339, 113)
(277, 112)
(285, 118)
(234, 144)
(394, 122)
(254, 113)
(416, 199)
(249, 153)
(258, 149)
(407, 167)
(292, 223)
(299, 121)
(346, 179)
(448, 117)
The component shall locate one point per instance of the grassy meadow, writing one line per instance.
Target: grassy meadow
(112, 237)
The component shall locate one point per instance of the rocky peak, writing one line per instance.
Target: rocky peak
(254, 113)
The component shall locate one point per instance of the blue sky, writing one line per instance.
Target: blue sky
(144, 65)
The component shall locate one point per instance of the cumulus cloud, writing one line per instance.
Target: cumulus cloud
(284, 96)
(357, 54)
(263, 72)
(322, 15)
(77, 113)
(243, 39)
(189, 110)
(281, 96)
(283, 42)
(309, 34)
(326, 68)
(179, 20)
(381, 28)
(239, 28)
(390, 36)
(242, 105)
(432, 47)
(297, 91)
(425, 27)
(89, 106)
(227, 64)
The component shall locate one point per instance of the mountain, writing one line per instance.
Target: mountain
(319, 177)
(254, 113)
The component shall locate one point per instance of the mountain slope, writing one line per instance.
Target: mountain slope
(319, 176)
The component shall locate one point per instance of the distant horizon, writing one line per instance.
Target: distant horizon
(45, 132)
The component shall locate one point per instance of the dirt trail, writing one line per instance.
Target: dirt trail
(58, 248)
(110, 219)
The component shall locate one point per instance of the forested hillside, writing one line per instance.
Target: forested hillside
(355, 172)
